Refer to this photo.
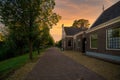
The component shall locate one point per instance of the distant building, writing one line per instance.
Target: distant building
(70, 40)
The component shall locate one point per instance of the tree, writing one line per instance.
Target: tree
(24, 17)
(42, 40)
(51, 41)
(46, 38)
(81, 23)
(59, 44)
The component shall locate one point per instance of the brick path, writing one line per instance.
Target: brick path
(55, 66)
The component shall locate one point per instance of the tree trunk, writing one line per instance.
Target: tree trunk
(30, 50)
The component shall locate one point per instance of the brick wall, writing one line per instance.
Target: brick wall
(102, 41)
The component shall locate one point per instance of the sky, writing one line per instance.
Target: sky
(71, 10)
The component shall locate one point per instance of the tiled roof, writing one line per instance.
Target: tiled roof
(71, 30)
(111, 13)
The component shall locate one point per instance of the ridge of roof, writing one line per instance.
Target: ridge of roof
(110, 13)
(72, 30)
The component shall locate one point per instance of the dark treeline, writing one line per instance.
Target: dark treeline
(12, 48)
(59, 44)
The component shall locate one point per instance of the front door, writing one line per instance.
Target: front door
(83, 45)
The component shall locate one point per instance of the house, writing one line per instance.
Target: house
(70, 39)
(101, 40)
(103, 37)
(67, 37)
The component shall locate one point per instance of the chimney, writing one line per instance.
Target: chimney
(103, 8)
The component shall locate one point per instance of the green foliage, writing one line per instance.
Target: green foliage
(51, 41)
(23, 19)
(94, 41)
(1, 37)
(59, 44)
(81, 23)
(44, 39)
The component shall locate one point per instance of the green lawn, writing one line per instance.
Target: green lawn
(8, 66)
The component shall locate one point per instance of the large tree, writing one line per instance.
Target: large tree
(24, 17)
(81, 23)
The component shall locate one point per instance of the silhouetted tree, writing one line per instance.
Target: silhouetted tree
(81, 23)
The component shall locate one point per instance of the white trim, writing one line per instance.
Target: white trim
(112, 49)
(106, 42)
(79, 33)
(74, 37)
(112, 21)
(90, 41)
(63, 33)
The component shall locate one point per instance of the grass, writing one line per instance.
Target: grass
(10, 65)
(108, 70)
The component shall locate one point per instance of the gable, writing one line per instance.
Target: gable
(70, 31)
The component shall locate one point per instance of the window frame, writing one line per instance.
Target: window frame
(107, 41)
(91, 41)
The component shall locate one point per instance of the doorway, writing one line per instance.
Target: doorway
(83, 45)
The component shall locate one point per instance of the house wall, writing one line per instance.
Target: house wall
(102, 41)
(101, 51)
(66, 42)
(79, 42)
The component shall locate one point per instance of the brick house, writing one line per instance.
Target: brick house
(103, 37)
(101, 40)
(67, 37)
(70, 39)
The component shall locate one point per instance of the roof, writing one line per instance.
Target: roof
(111, 13)
(72, 30)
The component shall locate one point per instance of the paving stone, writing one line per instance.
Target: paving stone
(55, 66)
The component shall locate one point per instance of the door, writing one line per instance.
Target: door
(83, 45)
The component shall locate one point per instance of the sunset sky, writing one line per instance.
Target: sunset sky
(71, 10)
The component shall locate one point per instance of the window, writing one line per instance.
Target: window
(113, 38)
(94, 41)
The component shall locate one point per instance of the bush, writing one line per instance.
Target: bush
(59, 44)
(9, 50)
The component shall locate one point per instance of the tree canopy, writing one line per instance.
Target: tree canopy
(81, 23)
(24, 18)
